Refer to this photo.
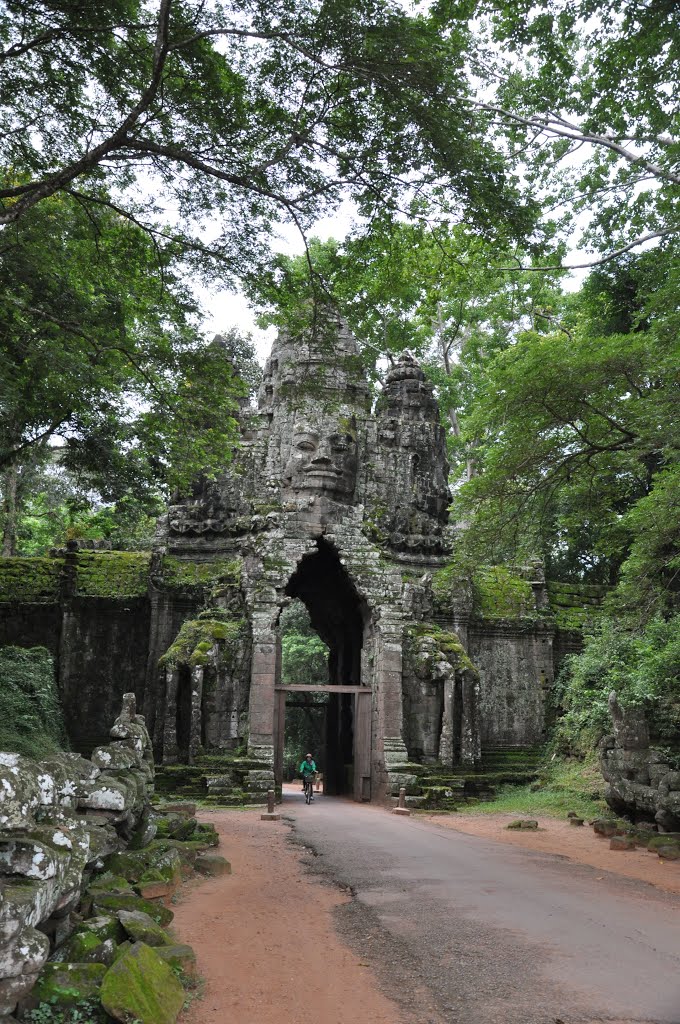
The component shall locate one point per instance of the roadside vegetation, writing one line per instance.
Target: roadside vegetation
(563, 785)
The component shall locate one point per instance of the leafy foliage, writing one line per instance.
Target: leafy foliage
(30, 712)
(99, 346)
(304, 660)
(642, 665)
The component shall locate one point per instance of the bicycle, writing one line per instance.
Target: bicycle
(309, 787)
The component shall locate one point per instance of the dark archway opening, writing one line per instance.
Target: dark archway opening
(337, 614)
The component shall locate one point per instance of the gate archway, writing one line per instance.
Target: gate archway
(340, 617)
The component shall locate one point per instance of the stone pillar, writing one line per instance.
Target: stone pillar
(389, 753)
(196, 712)
(446, 738)
(170, 719)
(266, 667)
(470, 738)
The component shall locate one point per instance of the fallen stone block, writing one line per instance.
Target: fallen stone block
(212, 864)
(141, 986)
(670, 851)
(605, 827)
(180, 807)
(180, 957)
(403, 811)
(622, 843)
(528, 824)
(64, 985)
(576, 821)
(111, 903)
(142, 928)
(15, 990)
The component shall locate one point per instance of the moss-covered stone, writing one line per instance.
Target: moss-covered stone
(141, 928)
(108, 882)
(500, 593)
(575, 605)
(81, 947)
(65, 984)
(197, 637)
(158, 861)
(185, 575)
(447, 641)
(112, 574)
(34, 580)
(141, 987)
(113, 902)
(180, 957)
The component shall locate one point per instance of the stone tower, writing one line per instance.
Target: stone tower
(344, 508)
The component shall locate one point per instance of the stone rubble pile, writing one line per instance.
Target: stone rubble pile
(642, 782)
(85, 863)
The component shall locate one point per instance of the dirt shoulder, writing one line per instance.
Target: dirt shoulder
(580, 845)
(264, 937)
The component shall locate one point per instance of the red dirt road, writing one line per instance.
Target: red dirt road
(488, 926)
(265, 941)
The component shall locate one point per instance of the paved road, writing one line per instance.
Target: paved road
(466, 930)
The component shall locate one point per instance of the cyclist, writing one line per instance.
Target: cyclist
(307, 768)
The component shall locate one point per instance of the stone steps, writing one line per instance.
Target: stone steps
(217, 780)
(437, 788)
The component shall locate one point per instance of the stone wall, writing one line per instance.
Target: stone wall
(642, 782)
(58, 819)
(515, 663)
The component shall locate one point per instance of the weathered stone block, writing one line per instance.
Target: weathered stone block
(141, 986)
(113, 902)
(141, 928)
(212, 864)
(180, 957)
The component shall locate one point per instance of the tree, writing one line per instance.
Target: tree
(247, 112)
(572, 430)
(584, 91)
(100, 348)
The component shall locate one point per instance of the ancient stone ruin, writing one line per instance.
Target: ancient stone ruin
(85, 862)
(642, 782)
(342, 504)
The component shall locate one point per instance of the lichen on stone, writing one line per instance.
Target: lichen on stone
(112, 574)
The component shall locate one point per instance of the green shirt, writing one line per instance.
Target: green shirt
(307, 767)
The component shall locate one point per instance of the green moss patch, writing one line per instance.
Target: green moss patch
(197, 637)
(447, 641)
(110, 903)
(112, 574)
(31, 580)
(142, 987)
(68, 984)
(575, 605)
(499, 593)
(185, 575)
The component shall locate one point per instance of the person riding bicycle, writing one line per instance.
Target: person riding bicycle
(307, 768)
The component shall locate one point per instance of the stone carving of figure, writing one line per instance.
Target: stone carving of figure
(323, 458)
(130, 728)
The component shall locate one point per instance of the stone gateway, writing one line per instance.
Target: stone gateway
(341, 503)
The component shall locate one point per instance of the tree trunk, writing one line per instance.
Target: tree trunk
(9, 535)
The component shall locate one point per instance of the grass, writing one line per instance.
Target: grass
(564, 786)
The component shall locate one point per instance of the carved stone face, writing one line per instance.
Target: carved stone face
(323, 459)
